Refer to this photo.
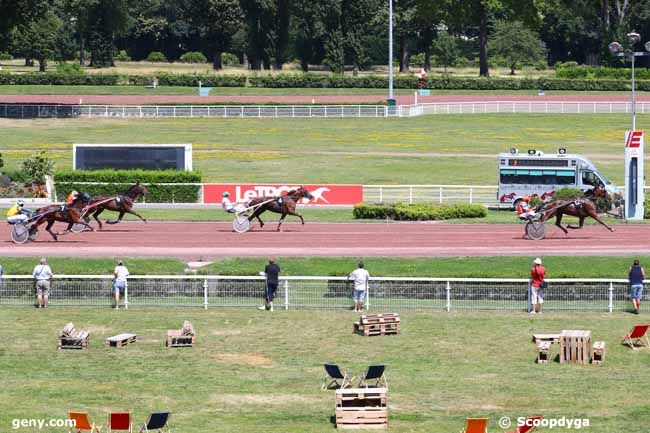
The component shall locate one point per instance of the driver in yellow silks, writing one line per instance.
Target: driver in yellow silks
(18, 213)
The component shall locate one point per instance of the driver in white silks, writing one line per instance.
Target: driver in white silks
(229, 206)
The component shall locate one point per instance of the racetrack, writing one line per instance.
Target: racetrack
(191, 241)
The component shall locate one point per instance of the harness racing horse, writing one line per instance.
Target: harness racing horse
(580, 208)
(71, 215)
(122, 203)
(285, 205)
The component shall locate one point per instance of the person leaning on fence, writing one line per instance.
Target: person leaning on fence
(272, 273)
(636, 275)
(42, 276)
(360, 276)
(537, 285)
(119, 282)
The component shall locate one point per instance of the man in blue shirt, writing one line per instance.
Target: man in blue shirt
(636, 275)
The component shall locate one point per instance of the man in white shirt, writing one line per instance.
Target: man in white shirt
(229, 206)
(42, 275)
(119, 283)
(360, 277)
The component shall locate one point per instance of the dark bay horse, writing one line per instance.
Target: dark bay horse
(72, 215)
(285, 205)
(122, 203)
(580, 208)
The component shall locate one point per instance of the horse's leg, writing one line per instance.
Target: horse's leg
(294, 213)
(280, 222)
(96, 214)
(581, 221)
(256, 214)
(594, 215)
(50, 223)
(119, 218)
(132, 212)
(558, 222)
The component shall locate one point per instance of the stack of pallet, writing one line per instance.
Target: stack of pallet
(377, 324)
(575, 347)
(361, 408)
(71, 338)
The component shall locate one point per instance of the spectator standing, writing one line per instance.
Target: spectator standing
(537, 285)
(636, 275)
(42, 276)
(360, 276)
(1, 274)
(272, 273)
(119, 282)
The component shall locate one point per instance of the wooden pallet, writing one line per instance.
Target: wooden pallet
(575, 347)
(553, 338)
(71, 338)
(544, 352)
(599, 350)
(120, 340)
(377, 324)
(183, 337)
(361, 408)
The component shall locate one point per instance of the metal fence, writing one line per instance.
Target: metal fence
(444, 294)
(440, 194)
(202, 111)
(522, 107)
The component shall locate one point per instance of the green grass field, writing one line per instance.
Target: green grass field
(424, 150)
(467, 267)
(251, 372)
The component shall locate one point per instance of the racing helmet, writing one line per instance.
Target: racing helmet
(20, 202)
(225, 194)
(525, 198)
(74, 193)
(85, 197)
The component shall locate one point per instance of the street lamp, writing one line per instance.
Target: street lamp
(634, 158)
(617, 50)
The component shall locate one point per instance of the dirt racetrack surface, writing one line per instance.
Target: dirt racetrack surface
(301, 99)
(191, 241)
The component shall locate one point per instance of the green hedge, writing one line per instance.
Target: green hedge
(419, 212)
(68, 180)
(646, 209)
(315, 80)
(600, 72)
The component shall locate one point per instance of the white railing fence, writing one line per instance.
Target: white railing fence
(212, 111)
(522, 107)
(304, 292)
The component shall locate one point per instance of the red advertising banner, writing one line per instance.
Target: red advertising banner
(323, 194)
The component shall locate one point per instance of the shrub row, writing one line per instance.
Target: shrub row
(600, 72)
(418, 212)
(69, 180)
(313, 80)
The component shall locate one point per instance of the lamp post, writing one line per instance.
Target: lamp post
(634, 171)
(391, 97)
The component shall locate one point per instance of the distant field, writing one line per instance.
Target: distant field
(449, 149)
(253, 371)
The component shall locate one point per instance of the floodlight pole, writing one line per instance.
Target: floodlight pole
(390, 50)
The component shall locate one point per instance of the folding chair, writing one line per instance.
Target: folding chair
(157, 421)
(83, 422)
(333, 374)
(120, 421)
(527, 428)
(376, 373)
(475, 425)
(637, 336)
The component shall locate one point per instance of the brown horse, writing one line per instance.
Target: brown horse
(285, 205)
(71, 215)
(122, 203)
(580, 208)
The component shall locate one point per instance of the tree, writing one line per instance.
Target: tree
(446, 50)
(217, 21)
(309, 30)
(105, 20)
(517, 44)
(38, 166)
(38, 39)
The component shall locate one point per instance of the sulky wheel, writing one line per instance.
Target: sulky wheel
(19, 233)
(535, 230)
(241, 224)
(78, 228)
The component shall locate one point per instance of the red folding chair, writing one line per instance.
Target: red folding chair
(120, 421)
(638, 335)
(475, 425)
(528, 426)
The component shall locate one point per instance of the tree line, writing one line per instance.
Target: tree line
(331, 34)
